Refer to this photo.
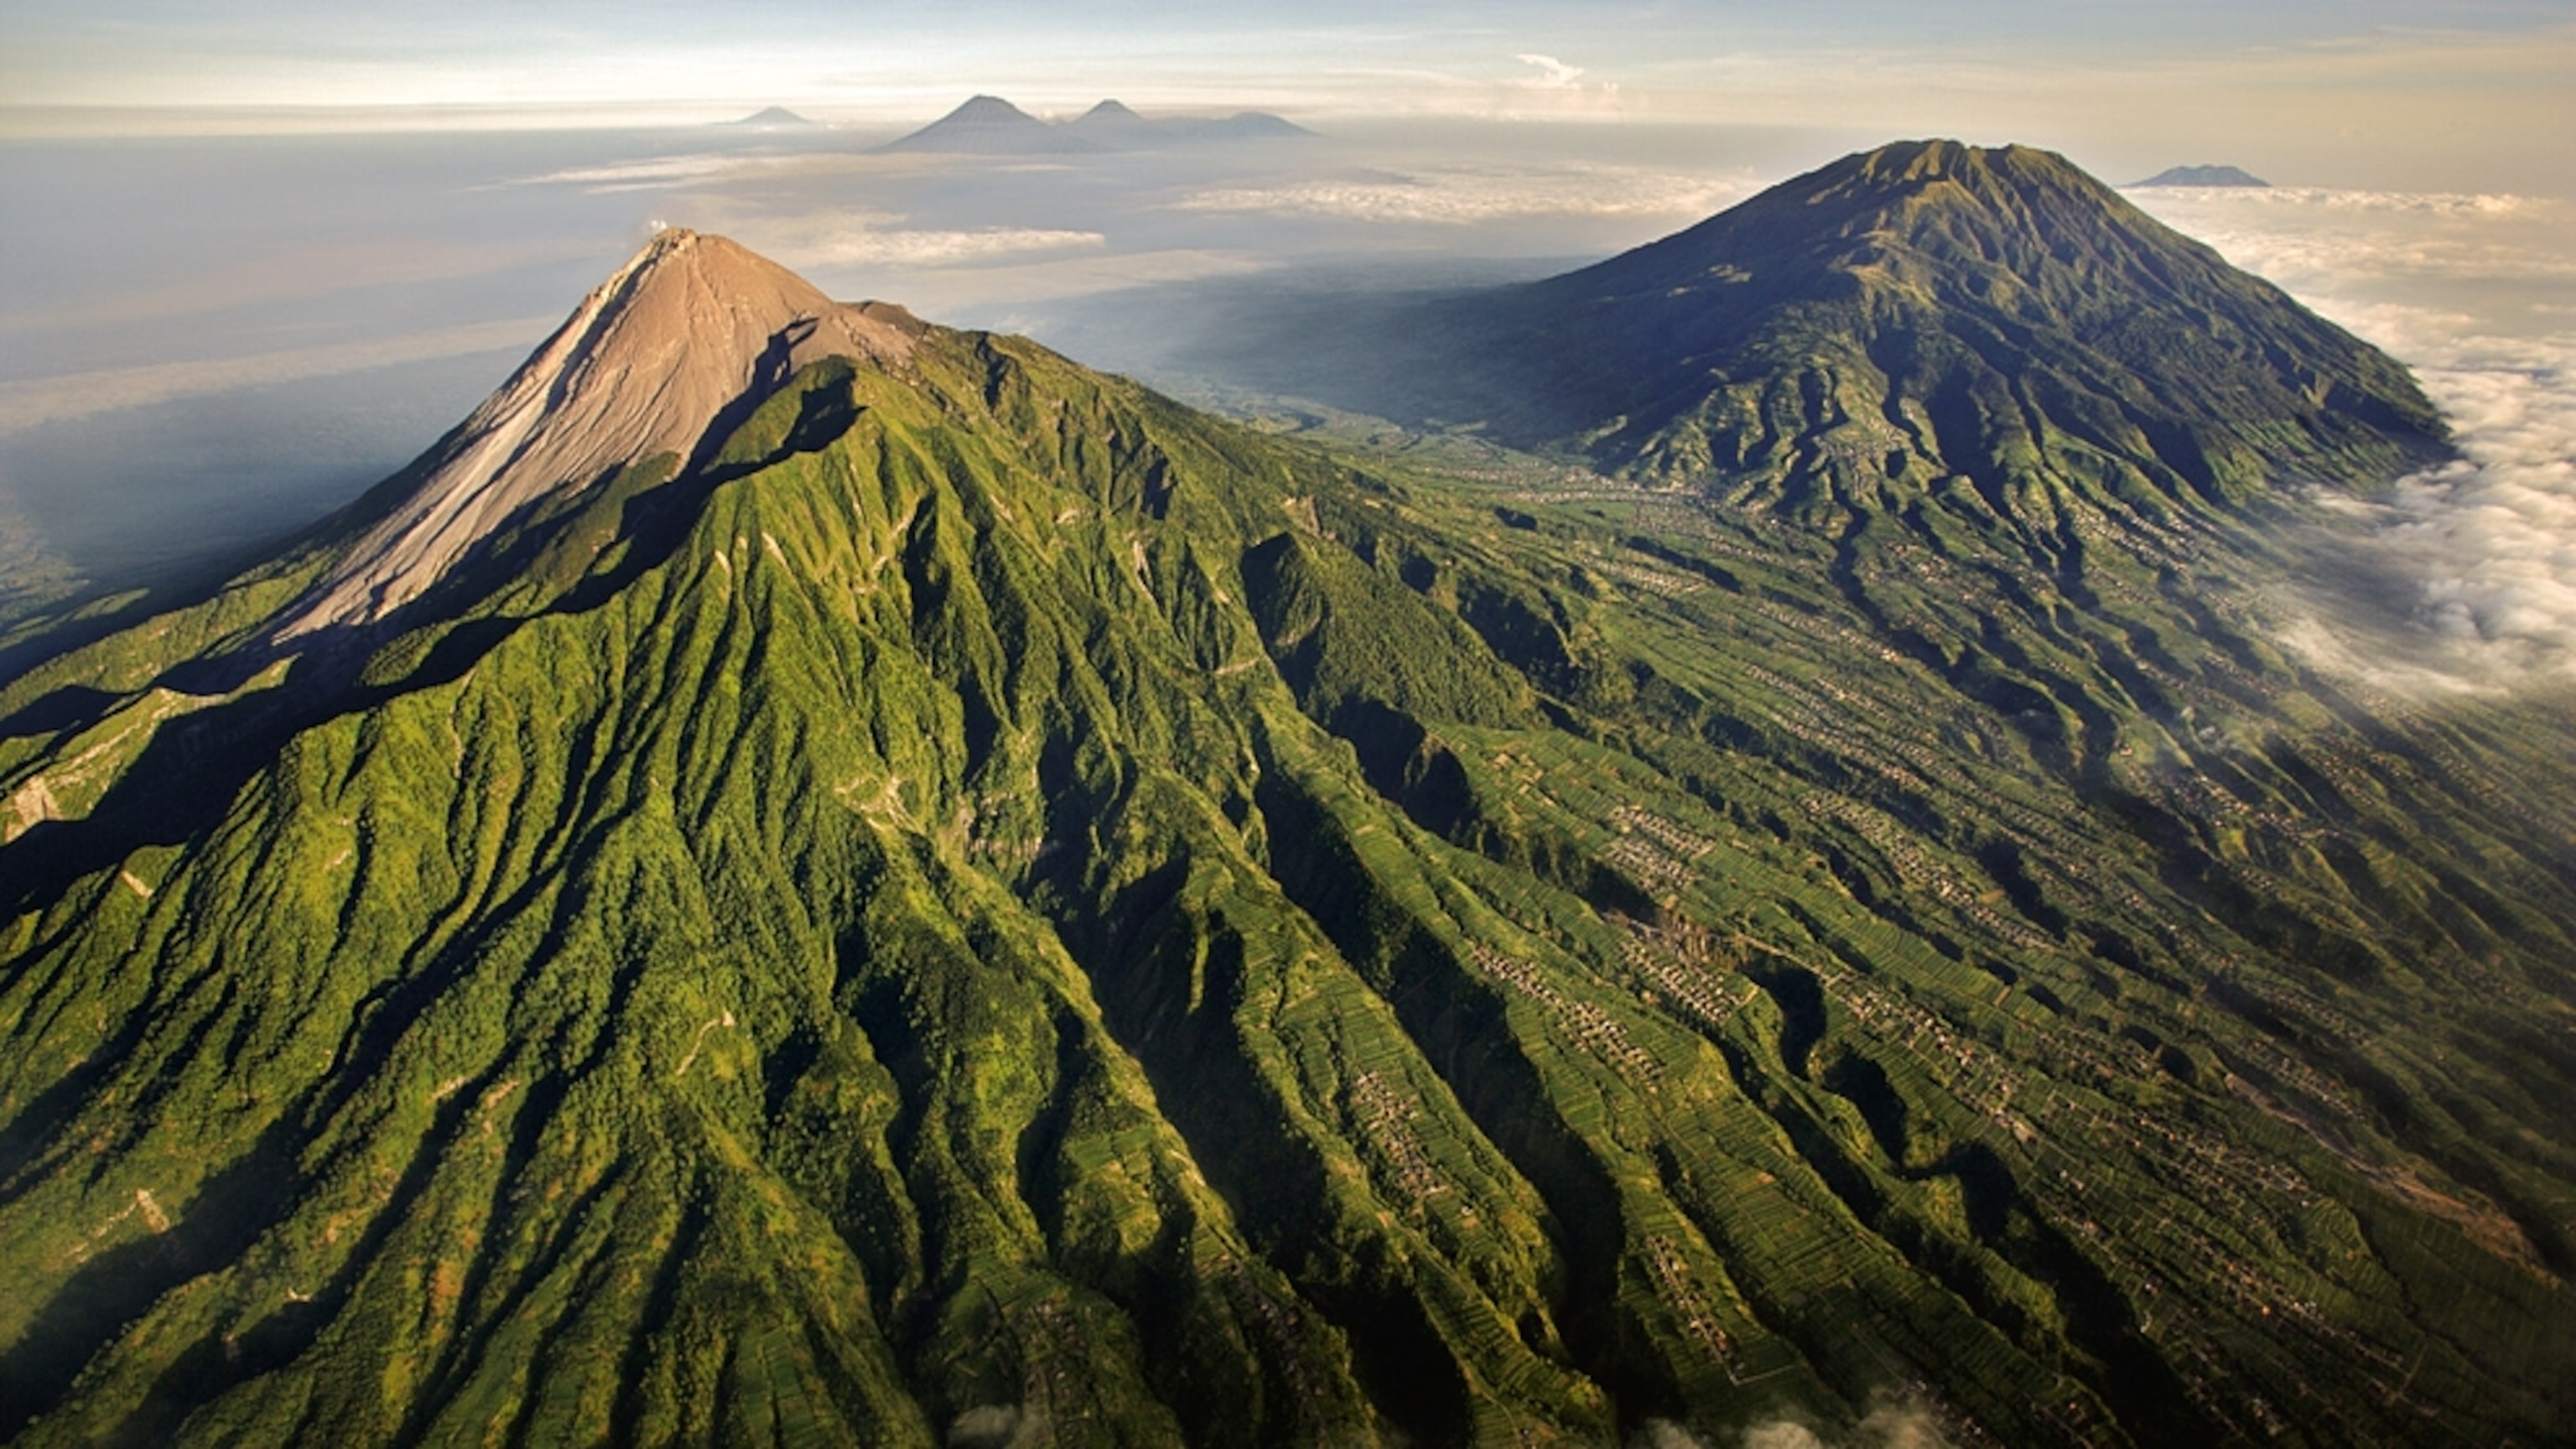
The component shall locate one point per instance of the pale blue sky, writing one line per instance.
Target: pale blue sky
(1678, 58)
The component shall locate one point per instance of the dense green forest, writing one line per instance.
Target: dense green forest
(991, 908)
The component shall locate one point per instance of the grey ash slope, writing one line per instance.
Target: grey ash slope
(644, 368)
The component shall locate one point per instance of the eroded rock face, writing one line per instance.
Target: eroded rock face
(693, 326)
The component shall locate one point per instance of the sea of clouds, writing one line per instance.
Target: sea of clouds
(1891, 1423)
(1462, 195)
(2477, 293)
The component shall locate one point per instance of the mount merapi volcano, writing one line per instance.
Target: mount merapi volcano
(811, 877)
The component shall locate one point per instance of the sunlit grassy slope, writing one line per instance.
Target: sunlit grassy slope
(1005, 908)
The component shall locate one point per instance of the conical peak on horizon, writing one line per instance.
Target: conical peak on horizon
(689, 327)
(988, 124)
(774, 118)
(2205, 174)
(980, 107)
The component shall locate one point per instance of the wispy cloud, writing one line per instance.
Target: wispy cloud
(659, 173)
(1462, 195)
(2329, 246)
(854, 238)
(32, 404)
(1554, 74)
(998, 294)
(2490, 541)
(301, 267)
(2329, 199)
(1891, 1423)
(2471, 291)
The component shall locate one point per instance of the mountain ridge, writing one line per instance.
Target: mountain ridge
(967, 900)
(991, 125)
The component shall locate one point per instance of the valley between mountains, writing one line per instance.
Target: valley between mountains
(806, 877)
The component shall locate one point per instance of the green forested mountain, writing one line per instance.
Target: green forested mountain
(1923, 316)
(953, 900)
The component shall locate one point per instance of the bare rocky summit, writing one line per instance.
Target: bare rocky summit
(694, 325)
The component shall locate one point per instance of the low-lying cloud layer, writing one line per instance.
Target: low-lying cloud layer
(660, 173)
(2477, 294)
(1892, 1423)
(1465, 195)
(863, 245)
(57, 399)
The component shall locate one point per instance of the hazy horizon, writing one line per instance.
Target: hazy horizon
(2372, 93)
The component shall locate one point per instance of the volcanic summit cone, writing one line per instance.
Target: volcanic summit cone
(1923, 313)
(692, 327)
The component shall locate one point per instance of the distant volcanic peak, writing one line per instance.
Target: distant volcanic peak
(689, 326)
(2203, 175)
(981, 110)
(1264, 123)
(774, 118)
(993, 126)
(1114, 123)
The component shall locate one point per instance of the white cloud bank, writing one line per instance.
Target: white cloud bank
(1892, 1423)
(1464, 195)
(859, 244)
(661, 173)
(1554, 74)
(2473, 292)
(2491, 540)
(56, 399)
